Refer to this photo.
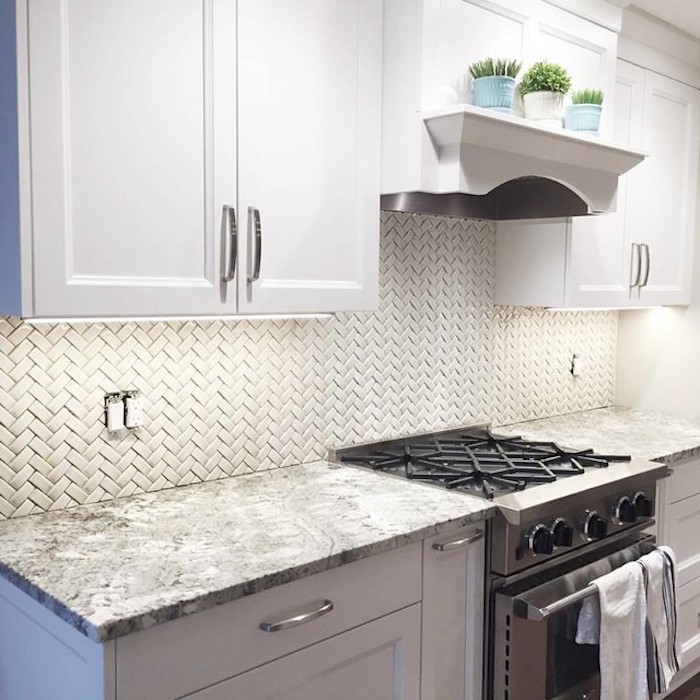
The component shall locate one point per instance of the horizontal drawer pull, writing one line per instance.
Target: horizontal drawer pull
(457, 544)
(300, 619)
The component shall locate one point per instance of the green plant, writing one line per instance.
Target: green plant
(495, 66)
(543, 75)
(587, 97)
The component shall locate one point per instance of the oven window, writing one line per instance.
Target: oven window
(568, 663)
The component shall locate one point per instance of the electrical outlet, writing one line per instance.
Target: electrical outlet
(576, 365)
(123, 410)
(133, 410)
(114, 411)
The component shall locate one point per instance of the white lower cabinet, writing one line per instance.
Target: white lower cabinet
(453, 616)
(403, 625)
(379, 660)
(679, 523)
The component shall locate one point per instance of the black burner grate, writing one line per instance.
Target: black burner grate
(477, 461)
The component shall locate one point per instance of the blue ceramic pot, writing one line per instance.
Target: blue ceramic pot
(583, 118)
(494, 92)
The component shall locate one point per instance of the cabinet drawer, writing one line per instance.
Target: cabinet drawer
(379, 660)
(185, 655)
(689, 621)
(683, 527)
(685, 480)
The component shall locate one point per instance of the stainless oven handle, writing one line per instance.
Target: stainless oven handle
(539, 614)
(458, 544)
(532, 612)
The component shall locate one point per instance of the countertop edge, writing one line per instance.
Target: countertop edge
(113, 629)
(680, 456)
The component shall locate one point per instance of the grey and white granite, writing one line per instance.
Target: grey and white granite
(616, 430)
(119, 567)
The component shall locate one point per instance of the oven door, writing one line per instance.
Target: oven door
(535, 655)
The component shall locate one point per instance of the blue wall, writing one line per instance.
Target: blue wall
(10, 290)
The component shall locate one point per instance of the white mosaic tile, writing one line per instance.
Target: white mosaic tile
(223, 398)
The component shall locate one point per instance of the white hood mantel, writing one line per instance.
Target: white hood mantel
(478, 150)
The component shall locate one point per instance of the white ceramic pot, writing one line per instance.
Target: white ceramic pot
(544, 107)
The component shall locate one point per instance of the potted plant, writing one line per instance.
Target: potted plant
(583, 114)
(543, 88)
(494, 83)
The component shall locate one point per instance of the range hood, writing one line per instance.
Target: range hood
(490, 165)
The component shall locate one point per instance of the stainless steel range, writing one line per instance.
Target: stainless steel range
(565, 518)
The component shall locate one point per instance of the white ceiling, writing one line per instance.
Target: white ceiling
(684, 14)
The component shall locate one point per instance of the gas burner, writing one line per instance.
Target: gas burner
(477, 461)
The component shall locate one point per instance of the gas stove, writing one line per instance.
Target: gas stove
(552, 500)
(564, 517)
(477, 462)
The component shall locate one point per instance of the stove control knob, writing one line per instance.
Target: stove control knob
(562, 533)
(595, 527)
(540, 540)
(625, 511)
(644, 505)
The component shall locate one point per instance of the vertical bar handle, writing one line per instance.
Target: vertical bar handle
(231, 232)
(648, 267)
(255, 242)
(634, 278)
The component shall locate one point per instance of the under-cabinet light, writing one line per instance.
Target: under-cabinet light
(177, 319)
(602, 308)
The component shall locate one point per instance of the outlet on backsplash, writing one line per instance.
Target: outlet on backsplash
(576, 368)
(123, 411)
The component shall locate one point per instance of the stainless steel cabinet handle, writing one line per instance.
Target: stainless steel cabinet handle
(299, 619)
(255, 241)
(648, 268)
(457, 544)
(634, 278)
(232, 230)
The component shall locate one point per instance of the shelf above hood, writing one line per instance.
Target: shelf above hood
(478, 150)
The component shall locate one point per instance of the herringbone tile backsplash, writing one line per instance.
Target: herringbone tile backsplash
(224, 398)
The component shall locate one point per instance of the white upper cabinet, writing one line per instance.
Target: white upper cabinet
(309, 119)
(587, 50)
(153, 127)
(429, 45)
(668, 189)
(602, 261)
(642, 254)
(133, 154)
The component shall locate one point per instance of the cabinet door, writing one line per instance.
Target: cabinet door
(451, 43)
(379, 660)
(132, 122)
(309, 154)
(601, 260)
(668, 194)
(453, 616)
(588, 51)
(689, 622)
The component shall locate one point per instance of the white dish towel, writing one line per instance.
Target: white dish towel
(619, 627)
(663, 649)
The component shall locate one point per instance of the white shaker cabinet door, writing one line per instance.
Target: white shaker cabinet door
(132, 117)
(668, 195)
(376, 661)
(453, 616)
(309, 118)
(605, 255)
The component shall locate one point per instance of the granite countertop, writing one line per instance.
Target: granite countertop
(122, 566)
(643, 434)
